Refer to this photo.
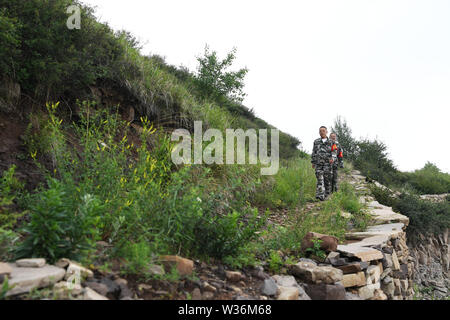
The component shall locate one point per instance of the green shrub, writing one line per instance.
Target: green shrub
(61, 225)
(10, 188)
(8, 240)
(429, 180)
(425, 217)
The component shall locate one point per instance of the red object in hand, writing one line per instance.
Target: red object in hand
(341, 155)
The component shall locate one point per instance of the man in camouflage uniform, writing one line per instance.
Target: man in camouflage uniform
(322, 158)
(337, 164)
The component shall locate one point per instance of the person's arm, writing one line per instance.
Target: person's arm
(314, 155)
(341, 157)
(334, 153)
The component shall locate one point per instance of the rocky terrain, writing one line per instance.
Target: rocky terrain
(375, 264)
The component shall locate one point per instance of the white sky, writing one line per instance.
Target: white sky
(382, 65)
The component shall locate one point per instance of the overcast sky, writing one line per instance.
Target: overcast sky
(382, 65)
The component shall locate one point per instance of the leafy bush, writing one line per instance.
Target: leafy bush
(429, 180)
(10, 187)
(8, 240)
(61, 225)
(425, 217)
(139, 195)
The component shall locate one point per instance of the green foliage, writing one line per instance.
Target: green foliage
(293, 185)
(425, 217)
(429, 180)
(10, 187)
(51, 56)
(213, 81)
(372, 159)
(4, 288)
(137, 194)
(9, 43)
(275, 261)
(59, 226)
(138, 257)
(315, 250)
(8, 240)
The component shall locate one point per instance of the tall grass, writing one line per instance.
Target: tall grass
(293, 185)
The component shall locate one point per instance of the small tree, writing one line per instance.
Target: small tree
(214, 81)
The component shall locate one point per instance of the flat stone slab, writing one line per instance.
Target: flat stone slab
(31, 263)
(360, 252)
(383, 216)
(23, 280)
(377, 234)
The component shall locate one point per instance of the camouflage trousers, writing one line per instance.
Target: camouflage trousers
(334, 179)
(323, 175)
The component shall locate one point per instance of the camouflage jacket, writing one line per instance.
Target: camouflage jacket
(323, 152)
(340, 156)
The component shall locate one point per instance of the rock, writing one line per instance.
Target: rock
(373, 273)
(364, 265)
(308, 260)
(5, 270)
(125, 292)
(233, 276)
(387, 250)
(156, 270)
(114, 289)
(184, 266)
(385, 273)
(366, 292)
(90, 294)
(354, 280)
(259, 273)
(332, 256)
(362, 253)
(207, 295)
(64, 290)
(75, 269)
(387, 280)
(397, 287)
(351, 296)
(326, 291)
(287, 293)
(388, 288)
(23, 280)
(328, 244)
(285, 281)
(98, 287)
(62, 263)
(404, 286)
(402, 273)
(236, 289)
(196, 294)
(395, 262)
(144, 287)
(379, 295)
(269, 288)
(353, 267)
(30, 263)
(316, 274)
(387, 260)
(208, 287)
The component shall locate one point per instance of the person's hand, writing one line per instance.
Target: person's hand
(313, 166)
(331, 161)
